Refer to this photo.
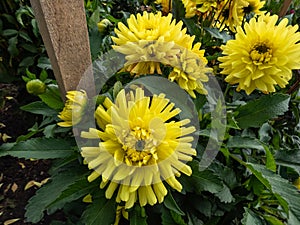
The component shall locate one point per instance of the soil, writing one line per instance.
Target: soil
(15, 173)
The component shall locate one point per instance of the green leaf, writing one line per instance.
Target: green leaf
(166, 217)
(289, 158)
(9, 32)
(178, 10)
(215, 32)
(225, 195)
(26, 62)
(284, 191)
(49, 192)
(244, 142)
(257, 112)
(101, 211)
(30, 75)
(25, 36)
(273, 220)
(177, 218)
(43, 75)
(39, 148)
(30, 47)
(78, 189)
(157, 85)
(39, 107)
(52, 97)
(12, 46)
(194, 220)
(171, 204)
(250, 218)
(44, 63)
(204, 180)
(270, 161)
(137, 216)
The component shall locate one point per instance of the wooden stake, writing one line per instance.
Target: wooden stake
(63, 27)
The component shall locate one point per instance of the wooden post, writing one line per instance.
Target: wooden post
(63, 27)
(284, 8)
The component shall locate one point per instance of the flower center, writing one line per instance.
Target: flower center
(261, 53)
(139, 148)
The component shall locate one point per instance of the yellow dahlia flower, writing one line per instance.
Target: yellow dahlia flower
(141, 146)
(231, 13)
(262, 55)
(148, 27)
(74, 108)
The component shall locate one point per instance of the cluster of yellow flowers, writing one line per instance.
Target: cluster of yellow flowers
(223, 13)
(141, 144)
(150, 40)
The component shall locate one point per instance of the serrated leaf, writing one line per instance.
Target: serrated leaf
(204, 180)
(101, 211)
(171, 204)
(284, 191)
(39, 107)
(259, 111)
(136, 216)
(49, 192)
(289, 159)
(40, 148)
(225, 195)
(75, 191)
(250, 218)
(194, 220)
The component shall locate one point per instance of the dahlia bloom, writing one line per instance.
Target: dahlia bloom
(231, 13)
(151, 40)
(141, 146)
(74, 108)
(262, 55)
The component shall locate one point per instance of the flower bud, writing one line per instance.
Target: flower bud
(36, 87)
(103, 24)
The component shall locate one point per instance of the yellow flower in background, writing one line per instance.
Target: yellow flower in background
(262, 56)
(240, 8)
(166, 5)
(74, 108)
(141, 145)
(149, 27)
(224, 15)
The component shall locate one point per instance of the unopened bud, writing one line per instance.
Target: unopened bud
(36, 87)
